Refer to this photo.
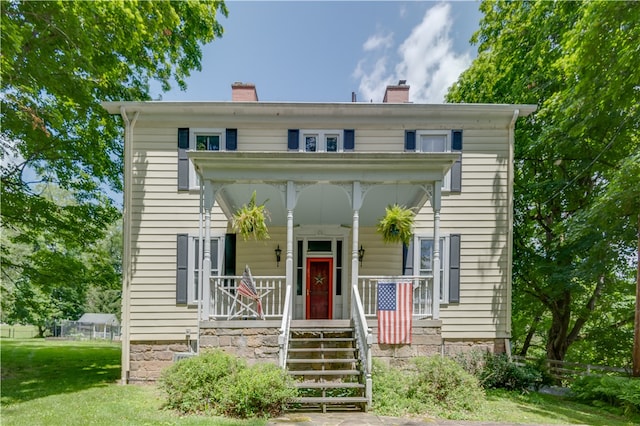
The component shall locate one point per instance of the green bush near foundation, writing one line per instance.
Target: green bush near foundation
(221, 384)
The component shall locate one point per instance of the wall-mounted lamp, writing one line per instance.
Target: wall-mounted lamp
(360, 255)
(278, 253)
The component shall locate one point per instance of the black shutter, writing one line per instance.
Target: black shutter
(182, 268)
(407, 259)
(456, 169)
(454, 268)
(183, 160)
(229, 254)
(409, 140)
(231, 140)
(293, 139)
(349, 139)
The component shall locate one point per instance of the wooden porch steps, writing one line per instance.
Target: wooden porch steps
(323, 360)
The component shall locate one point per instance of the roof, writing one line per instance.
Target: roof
(109, 319)
(347, 112)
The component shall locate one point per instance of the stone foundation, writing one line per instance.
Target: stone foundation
(426, 339)
(148, 359)
(453, 347)
(252, 340)
(257, 341)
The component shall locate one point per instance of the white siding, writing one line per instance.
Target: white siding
(159, 212)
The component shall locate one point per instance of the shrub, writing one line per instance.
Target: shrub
(621, 392)
(258, 391)
(472, 361)
(197, 384)
(218, 383)
(501, 373)
(390, 388)
(443, 384)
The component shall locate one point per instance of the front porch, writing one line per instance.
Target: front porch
(322, 201)
(225, 303)
(325, 356)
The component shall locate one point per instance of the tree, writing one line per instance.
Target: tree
(48, 278)
(578, 62)
(59, 61)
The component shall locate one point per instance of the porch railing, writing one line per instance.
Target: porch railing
(272, 291)
(422, 293)
(225, 303)
(283, 337)
(364, 340)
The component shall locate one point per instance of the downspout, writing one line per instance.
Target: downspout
(510, 178)
(126, 238)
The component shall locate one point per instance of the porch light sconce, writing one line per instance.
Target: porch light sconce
(360, 255)
(278, 253)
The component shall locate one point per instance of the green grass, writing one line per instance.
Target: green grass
(75, 383)
(548, 409)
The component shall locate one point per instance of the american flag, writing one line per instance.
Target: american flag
(247, 288)
(395, 312)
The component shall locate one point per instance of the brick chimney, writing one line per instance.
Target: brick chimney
(397, 94)
(243, 92)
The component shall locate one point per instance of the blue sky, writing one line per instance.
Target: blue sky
(322, 51)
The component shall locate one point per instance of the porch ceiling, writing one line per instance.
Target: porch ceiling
(322, 182)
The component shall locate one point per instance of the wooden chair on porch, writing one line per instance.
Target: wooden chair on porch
(246, 288)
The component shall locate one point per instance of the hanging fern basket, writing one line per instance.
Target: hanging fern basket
(397, 225)
(250, 220)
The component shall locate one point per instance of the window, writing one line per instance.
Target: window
(424, 262)
(204, 140)
(195, 268)
(321, 141)
(435, 141)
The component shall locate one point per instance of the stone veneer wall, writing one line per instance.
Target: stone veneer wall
(251, 340)
(426, 340)
(258, 341)
(148, 359)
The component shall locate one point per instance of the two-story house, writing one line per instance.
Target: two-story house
(325, 172)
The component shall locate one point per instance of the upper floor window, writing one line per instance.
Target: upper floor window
(207, 139)
(435, 141)
(429, 141)
(321, 141)
(204, 140)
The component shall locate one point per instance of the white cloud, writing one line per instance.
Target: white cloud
(426, 59)
(378, 41)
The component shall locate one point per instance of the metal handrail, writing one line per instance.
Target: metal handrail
(364, 340)
(283, 338)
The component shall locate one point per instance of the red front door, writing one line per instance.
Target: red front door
(319, 287)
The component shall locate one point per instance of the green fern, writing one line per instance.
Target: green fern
(397, 225)
(250, 220)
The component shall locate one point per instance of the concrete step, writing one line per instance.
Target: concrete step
(323, 372)
(329, 385)
(296, 324)
(323, 330)
(330, 399)
(321, 339)
(320, 360)
(316, 350)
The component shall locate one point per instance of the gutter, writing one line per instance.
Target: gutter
(126, 238)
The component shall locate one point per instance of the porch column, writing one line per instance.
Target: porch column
(205, 295)
(356, 200)
(291, 202)
(435, 204)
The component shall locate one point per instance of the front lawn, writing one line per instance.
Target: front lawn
(47, 382)
(53, 382)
